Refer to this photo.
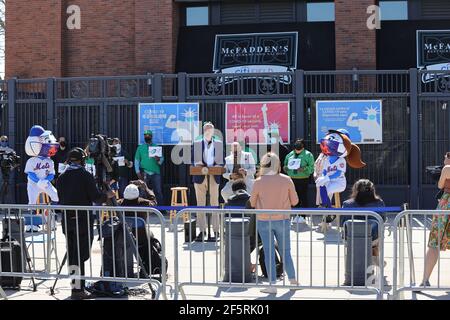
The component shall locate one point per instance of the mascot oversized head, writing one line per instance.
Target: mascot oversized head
(338, 150)
(41, 143)
(337, 143)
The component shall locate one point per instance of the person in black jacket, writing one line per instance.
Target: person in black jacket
(77, 187)
(276, 146)
(132, 199)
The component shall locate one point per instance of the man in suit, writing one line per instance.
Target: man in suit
(208, 152)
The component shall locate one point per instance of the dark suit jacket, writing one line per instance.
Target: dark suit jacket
(198, 149)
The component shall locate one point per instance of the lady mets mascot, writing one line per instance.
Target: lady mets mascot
(40, 145)
(338, 150)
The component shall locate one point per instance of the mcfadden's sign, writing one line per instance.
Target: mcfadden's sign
(433, 51)
(255, 52)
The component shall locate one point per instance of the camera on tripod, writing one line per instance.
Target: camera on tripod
(101, 147)
(8, 161)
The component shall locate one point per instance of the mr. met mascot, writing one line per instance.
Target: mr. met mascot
(338, 150)
(40, 145)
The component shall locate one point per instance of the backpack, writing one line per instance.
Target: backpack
(156, 257)
(278, 262)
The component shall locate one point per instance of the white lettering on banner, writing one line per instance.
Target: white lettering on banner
(74, 21)
(428, 77)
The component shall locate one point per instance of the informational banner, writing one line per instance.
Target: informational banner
(361, 118)
(255, 52)
(170, 123)
(257, 121)
(433, 51)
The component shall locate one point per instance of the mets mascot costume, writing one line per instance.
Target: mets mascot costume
(338, 151)
(40, 145)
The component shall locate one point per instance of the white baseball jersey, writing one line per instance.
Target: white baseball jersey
(41, 167)
(331, 168)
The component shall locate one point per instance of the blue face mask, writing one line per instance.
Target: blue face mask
(4, 144)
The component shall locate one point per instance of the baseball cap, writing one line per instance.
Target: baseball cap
(131, 192)
(148, 132)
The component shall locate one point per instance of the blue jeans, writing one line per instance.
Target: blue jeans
(10, 196)
(153, 181)
(281, 230)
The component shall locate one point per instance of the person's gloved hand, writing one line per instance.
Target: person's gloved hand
(42, 184)
(322, 181)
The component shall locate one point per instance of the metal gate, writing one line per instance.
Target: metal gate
(415, 115)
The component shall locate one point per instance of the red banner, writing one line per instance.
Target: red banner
(257, 121)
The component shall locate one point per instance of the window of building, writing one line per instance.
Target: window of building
(320, 11)
(393, 10)
(197, 16)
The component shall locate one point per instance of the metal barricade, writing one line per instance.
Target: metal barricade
(417, 225)
(124, 246)
(201, 264)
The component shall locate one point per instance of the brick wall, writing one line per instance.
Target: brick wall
(122, 37)
(117, 37)
(33, 38)
(355, 43)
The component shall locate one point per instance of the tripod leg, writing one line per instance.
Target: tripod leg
(52, 290)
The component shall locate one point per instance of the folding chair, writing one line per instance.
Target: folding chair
(41, 238)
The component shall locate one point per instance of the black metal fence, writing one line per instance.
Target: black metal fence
(415, 115)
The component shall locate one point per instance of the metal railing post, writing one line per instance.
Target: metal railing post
(414, 139)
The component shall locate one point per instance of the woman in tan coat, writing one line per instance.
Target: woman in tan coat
(274, 191)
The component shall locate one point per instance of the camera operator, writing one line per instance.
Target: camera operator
(77, 187)
(9, 161)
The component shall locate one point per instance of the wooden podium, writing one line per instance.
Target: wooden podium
(207, 171)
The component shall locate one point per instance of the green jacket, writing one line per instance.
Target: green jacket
(143, 161)
(307, 164)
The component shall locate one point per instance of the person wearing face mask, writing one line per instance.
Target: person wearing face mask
(148, 168)
(60, 157)
(123, 163)
(5, 150)
(299, 165)
(276, 145)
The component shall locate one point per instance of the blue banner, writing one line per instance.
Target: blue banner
(171, 123)
(361, 118)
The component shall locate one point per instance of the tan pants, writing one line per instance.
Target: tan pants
(200, 194)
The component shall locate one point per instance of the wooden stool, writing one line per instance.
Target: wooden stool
(105, 214)
(174, 202)
(337, 200)
(42, 199)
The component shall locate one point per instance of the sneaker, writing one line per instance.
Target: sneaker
(298, 220)
(294, 283)
(81, 295)
(269, 290)
(426, 284)
(31, 228)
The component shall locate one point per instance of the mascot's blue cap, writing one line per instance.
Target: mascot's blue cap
(36, 131)
(341, 131)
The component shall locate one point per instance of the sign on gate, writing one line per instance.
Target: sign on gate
(361, 118)
(257, 121)
(171, 123)
(255, 52)
(433, 52)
